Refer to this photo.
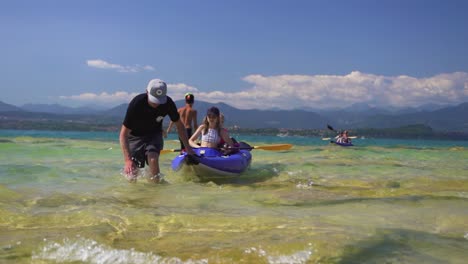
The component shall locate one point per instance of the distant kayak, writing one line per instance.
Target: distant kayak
(213, 164)
(342, 144)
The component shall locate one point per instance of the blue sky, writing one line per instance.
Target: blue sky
(249, 54)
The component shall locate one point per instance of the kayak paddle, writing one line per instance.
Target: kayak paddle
(330, 127)
(352, 137)
(164, 151)
(244, 145)
(274, 147)
(265, 147)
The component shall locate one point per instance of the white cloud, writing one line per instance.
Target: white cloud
(175, 90)
(178, 90)
(325, 91)
(320, 91)
(100, 64)
(104, 98)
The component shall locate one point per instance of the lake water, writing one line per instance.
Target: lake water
(62, 199)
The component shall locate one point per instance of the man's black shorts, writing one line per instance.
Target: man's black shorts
(141, 146)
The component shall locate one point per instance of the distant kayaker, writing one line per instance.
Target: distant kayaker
(211, 131)
(141, 137)
(188, 116)
(343, 138)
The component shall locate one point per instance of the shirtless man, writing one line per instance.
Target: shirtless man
(188, 116)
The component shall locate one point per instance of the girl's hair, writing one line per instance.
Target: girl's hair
(212, 111)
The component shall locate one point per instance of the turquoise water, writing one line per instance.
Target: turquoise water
(62, 199)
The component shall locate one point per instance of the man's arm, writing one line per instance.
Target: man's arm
(169, 128)
(183, 136)
(123, 138)
(194, 119)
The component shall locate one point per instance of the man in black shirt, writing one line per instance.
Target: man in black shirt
(141, 137)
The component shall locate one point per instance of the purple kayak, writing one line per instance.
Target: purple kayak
(342, 144)
(213, 164)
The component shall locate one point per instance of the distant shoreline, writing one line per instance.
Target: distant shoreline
(406, 132)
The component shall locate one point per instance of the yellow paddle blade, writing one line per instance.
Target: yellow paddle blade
(165, 151)
(274, 147)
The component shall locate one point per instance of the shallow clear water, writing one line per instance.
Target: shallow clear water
(62, 199)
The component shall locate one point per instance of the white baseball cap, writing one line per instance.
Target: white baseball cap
(157, 90)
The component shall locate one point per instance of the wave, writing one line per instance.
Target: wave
(90, 251)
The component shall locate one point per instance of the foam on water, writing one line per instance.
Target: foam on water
(90, 251)
(295, 258)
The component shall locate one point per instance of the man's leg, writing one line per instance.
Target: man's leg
(181, 144)
(152, 157)
(137, 150)
(153, 162)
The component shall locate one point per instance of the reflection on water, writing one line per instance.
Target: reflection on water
(64, 200)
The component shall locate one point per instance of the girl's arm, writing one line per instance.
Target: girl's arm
(195, 136)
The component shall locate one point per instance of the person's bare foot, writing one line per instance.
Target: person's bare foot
(158, 178)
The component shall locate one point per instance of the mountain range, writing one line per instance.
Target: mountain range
(439, 118)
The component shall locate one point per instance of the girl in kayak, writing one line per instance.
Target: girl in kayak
(211, 131)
